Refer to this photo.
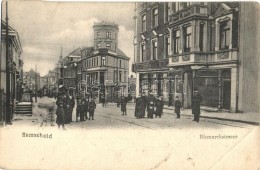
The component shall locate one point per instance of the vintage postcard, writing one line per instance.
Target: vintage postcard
(129, 85)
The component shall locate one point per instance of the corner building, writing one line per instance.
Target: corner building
(180, 46)
(104, 66)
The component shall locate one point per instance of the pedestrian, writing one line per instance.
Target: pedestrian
(138, 108)
(143, 103)
(92, 107)
(67, 105)
(78, 109)
(82, 109)
(103, 100)
(71, 106)
(196, 100)
(150, 109)
(159, 107)
(85, 105)
(61, 105)
(123, 105)
(177, 105)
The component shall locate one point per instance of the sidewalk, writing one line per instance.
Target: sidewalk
(248, 118)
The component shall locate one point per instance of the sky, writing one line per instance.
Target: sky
(45, 26)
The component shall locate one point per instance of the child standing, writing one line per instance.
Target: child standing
(177, 107)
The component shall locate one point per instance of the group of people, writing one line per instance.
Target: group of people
(66, 103)
(154, 106)
(85, 106)
(151, 104)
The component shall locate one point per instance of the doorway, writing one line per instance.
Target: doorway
(226, 94)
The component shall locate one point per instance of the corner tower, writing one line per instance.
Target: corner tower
(106, 35)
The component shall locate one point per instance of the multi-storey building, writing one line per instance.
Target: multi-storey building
(69, 70)
(182, 46)
(31, 80)
(15, 65)
(105, 66)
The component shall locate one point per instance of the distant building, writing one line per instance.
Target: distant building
(69, 66)
(31, 80)
(209, 46)
(105, 66)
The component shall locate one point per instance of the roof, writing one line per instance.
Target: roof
(76, 52)
(122, 54)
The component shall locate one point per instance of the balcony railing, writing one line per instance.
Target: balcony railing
(150, 65)
(203, 57)
(195, 10)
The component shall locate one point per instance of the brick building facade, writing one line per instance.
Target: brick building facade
(182, 46)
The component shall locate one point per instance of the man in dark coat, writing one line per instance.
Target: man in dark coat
(177, 105)
(159, 107)
(139, 112)
(92, 107)
(61, 105)
(123, 105)
(150, 106)
(143, 103)
(196, 100)
(85, 108)
(67, 106)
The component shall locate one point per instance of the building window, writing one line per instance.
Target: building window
(155, 17)
(154, 49)
(143, 23)
(201, 37)
(98, 45)
(108, 46)
(142, 52)
(187, 39)
(97, 61)
(167, 46)
(177, 6)
(108, 34)
(120, 64)
(98, 34)
(120, 76)
(103, 61)
(224, 35)
(176, 38)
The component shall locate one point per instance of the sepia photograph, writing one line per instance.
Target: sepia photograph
(129, 85)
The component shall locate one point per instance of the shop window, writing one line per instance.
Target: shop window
(154, 49)
(224, 35)
(187, 39)
(144, 23)
(155, 18)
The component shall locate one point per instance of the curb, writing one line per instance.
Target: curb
(217, 118)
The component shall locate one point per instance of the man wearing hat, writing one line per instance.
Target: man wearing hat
(61, 105)
(196, 100)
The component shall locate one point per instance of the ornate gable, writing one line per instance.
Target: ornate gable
(220, 9)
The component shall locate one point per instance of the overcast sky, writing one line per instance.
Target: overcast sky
(44, 27)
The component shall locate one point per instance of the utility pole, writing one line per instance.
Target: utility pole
(8, 100)
(35, 84)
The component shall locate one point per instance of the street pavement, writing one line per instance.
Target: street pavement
(114, 141)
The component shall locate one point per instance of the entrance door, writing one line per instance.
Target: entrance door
(226, 94)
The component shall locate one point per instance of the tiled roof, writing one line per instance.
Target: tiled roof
(122, 54)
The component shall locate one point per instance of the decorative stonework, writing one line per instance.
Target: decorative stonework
(175, 59)
(186, 58)
(157, 64)
(223, 56)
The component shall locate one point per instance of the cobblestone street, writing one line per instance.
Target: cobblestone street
(112, 140)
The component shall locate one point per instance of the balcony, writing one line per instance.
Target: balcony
(194, 10)
(203, 57)
(151, 65)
